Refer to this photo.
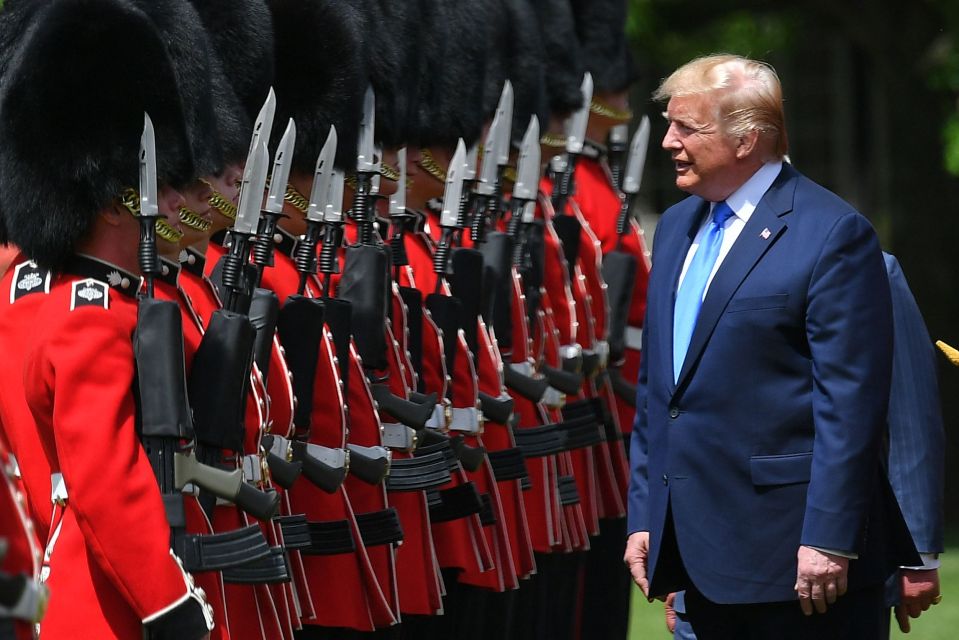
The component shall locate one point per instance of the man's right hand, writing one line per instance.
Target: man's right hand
(670, 612)
(918, 590)
(636, 556)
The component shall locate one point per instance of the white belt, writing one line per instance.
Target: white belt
(252, 466)
(399, 436)
(634, 338)
(601, 348)
(440, 419)
(336, 458)
(467, 419)
(554, 398)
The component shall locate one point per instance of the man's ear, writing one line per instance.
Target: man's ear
(112, 213)
(747, 144)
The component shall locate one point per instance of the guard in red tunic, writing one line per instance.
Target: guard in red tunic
(108, 557)
(601, 35)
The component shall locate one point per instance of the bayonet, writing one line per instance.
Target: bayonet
(454, 187)
(527, 166)
(149, 207)
(334, 208)
(633, 177)
(322, 178)
(281, 169)
(398, 199)
(637, 158)
(576, 125)
(449, 217)
(505, 110)
(304, 255)
(486, 185)
(617, 142)
(469, 164)
(366, 148)
(263, 127)
(251, 191)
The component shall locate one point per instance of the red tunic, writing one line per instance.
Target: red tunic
(113, 542)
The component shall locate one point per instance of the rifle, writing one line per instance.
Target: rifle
(165, 423)
(619, 267)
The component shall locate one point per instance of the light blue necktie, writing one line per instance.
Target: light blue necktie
(689, 298)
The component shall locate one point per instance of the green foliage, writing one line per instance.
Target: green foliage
(650, 27)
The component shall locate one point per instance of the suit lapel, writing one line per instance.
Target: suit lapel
(763, 229)
(672, 266)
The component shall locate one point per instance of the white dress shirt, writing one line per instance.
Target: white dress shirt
(743, 202)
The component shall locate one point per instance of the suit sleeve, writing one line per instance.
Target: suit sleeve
(111, 487)
(916, 435)
(849, 332)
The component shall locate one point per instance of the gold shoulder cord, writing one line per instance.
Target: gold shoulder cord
(430, 166)
(557, 140)
(219, 202)
(296, 199)
(130, 199)
(600, 108)
(194, 220)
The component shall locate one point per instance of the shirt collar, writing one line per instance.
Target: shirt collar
(743, 200)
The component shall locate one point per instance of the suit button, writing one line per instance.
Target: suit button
(673, 412)
(665, 480)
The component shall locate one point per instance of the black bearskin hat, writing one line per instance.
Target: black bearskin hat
(241, 35)
(192, 56)
(526, 66)
(601, 28)
(71, 117)
(391, 52)
(320, 77)
(452, 71)
(564, 65)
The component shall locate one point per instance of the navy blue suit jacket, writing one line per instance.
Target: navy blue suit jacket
(770, 439)
(916, 435)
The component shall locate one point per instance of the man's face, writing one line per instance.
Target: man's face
(226, 184)
(197, 199)
(704, 156)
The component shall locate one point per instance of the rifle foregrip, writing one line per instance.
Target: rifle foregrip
(283, 472)
(530, 388)
(322, 475)
(409, 413)
(262, 505)
(264, 311)
(368, 468)
(566, 381)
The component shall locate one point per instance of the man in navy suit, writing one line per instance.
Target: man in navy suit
(916, 443)
(767, 356)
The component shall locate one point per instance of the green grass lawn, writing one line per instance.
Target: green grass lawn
(939, 623)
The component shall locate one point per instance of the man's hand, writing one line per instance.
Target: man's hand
(820, 579)
(670, 612)
(917, 590)
(637, 553)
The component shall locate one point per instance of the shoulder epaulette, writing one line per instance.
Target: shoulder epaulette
(28, 278)
(90, 293)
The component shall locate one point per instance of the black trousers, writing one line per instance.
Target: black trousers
(858, 615)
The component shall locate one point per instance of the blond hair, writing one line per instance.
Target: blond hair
(749, 94)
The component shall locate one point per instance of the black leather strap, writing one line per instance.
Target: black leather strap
(272, 569)
(568, 492)
(454, 503)
(330, 537)
(508, 464)
(380, 527)
(295, 530)
(418, 473)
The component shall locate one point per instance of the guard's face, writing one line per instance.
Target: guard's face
(703, 155)
(227, 185)
(197, 200)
